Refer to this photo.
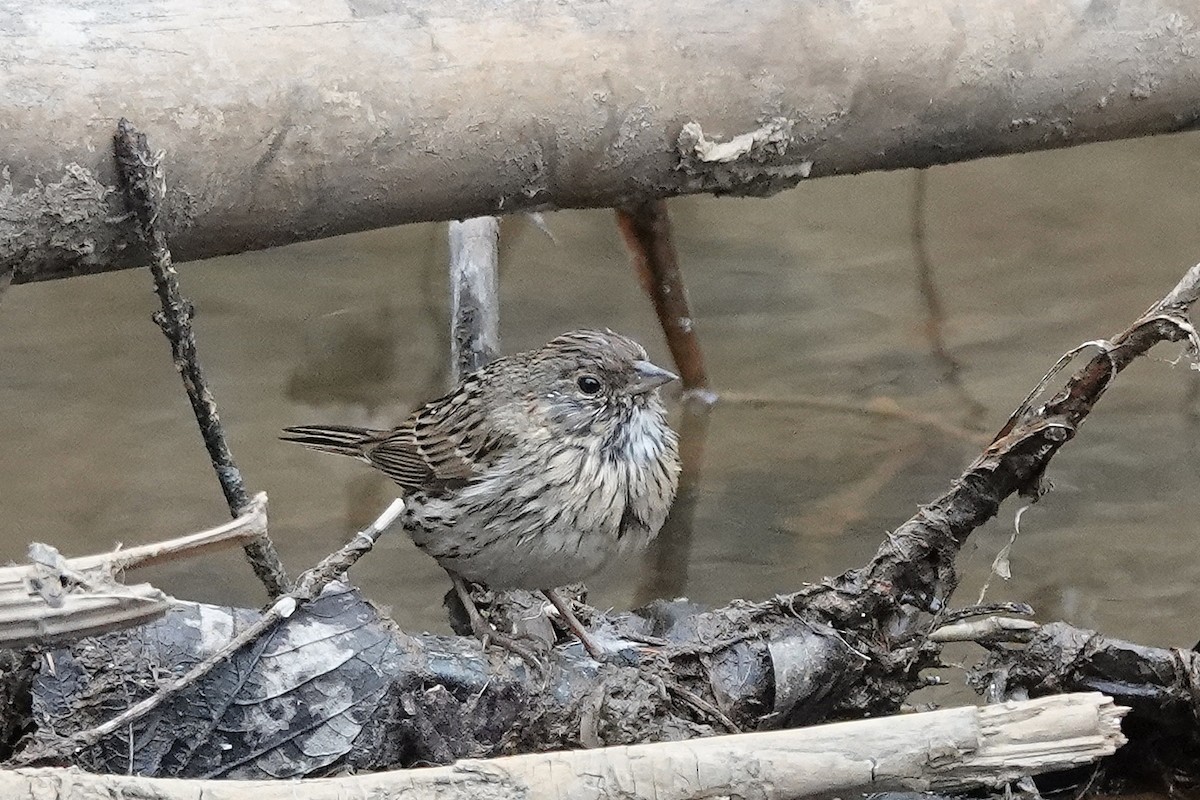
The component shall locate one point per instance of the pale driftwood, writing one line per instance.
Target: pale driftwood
(468, 107)
(988, 629)
(951, 750)
(474, 302)
(54, 598)
(307, 588)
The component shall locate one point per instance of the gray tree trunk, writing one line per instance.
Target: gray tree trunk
(299, 119)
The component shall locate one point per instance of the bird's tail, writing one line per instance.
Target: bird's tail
(341, 439)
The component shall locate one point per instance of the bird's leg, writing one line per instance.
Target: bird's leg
(572, 622)
(484, 631)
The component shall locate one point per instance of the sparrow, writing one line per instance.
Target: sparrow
(536, 471)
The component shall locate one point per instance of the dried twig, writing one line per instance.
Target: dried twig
(145, 189)
(646, 230)
(247, 527)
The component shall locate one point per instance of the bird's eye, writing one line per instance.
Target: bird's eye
(588, 384)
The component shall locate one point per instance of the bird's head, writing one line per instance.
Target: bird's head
(595, 379)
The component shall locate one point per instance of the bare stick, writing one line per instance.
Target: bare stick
(308, 587)
(646, 229)
(474, 303)
(145, 187)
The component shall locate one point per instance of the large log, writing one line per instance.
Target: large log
(299, 119)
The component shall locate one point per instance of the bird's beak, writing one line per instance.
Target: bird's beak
(649, 377)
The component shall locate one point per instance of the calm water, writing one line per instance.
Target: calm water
(809, 305)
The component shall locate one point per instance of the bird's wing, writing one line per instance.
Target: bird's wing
(396, 455)
(441, 446)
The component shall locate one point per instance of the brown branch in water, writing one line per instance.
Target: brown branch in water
(832, 515)
(6, 277)
(935, 314)
(646, 229)
(884, 407)
(145, 189)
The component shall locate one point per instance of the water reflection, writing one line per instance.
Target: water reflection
(858, 357)
(973, 410)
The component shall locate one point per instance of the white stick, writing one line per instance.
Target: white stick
(948, 750)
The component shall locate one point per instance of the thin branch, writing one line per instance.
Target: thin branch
(879, 406)
(645, 228)
(935, 314)
(145, 188)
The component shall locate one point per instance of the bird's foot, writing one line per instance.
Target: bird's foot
(594, 648)
(487, 634)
